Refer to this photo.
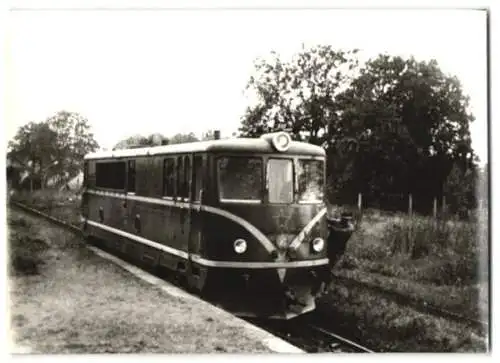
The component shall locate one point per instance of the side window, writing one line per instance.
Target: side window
(197, 177)
(168, 177)
(111, 175)
(91, 174)
(180, 176)
(185, 188)
(85, 174)
(131, 176)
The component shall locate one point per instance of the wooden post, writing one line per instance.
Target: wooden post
(434, 208)
(410, 205)
(360, 202)
(443, 206)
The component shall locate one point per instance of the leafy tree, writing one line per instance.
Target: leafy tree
(410, 125)
(53, 149)
(138, 141)
(33, 149)
(298, 95)
(74, 141)
(183, 138)
(393, 126)
(460, 189)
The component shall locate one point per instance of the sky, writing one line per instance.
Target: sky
(140, 72)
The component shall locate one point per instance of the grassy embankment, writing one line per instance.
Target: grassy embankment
(443, 262)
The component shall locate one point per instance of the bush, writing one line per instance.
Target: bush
(444, 252)
(25, 250)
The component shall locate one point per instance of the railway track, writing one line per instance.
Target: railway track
(339, 343)
(309, 336)
(312, 337)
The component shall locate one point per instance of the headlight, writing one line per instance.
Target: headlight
(281, 141)
(240, 245)
(318, 244)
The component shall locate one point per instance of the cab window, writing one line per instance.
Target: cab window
(240, 179)
(310, 177)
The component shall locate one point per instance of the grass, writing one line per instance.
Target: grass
(26, 250)
(384, 325)
(440, 252)
(59, 204)
(442, 262)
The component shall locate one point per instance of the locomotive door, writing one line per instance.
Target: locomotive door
(194, 246)
(183, 197)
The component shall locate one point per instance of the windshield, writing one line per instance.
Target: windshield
(310, 175)
(280, 180)
(240, 178)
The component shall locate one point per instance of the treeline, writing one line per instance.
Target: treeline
(391, 127)
(138, 141)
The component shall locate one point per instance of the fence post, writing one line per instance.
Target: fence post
(360, 202)
(410, 205)
(434, 208)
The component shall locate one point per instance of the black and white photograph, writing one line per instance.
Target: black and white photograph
(197, 178)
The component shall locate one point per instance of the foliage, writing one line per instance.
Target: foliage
(460, 190)
(298, 95)
(391, 127)
(52, 150)
(410, 125)
(183, 138)
(423, 249)
(25, 248)
(138, 141)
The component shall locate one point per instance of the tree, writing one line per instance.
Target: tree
(460, 189)
(33, 148)
(393, 126)
(155, 139)
(53, 149)
(410, 125)
(138, 141)
(298, 95)
(74, 141)
(183, 138)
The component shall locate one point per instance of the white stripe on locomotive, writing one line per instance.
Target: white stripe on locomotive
(264, 241)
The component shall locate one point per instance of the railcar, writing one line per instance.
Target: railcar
(243, 221)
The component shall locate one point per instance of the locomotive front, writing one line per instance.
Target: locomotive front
(268, 247)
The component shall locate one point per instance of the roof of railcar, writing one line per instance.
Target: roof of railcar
(236, 145)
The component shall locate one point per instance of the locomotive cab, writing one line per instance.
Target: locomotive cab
(279, 192)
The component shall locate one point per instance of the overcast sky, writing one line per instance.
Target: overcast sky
(185, 71)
